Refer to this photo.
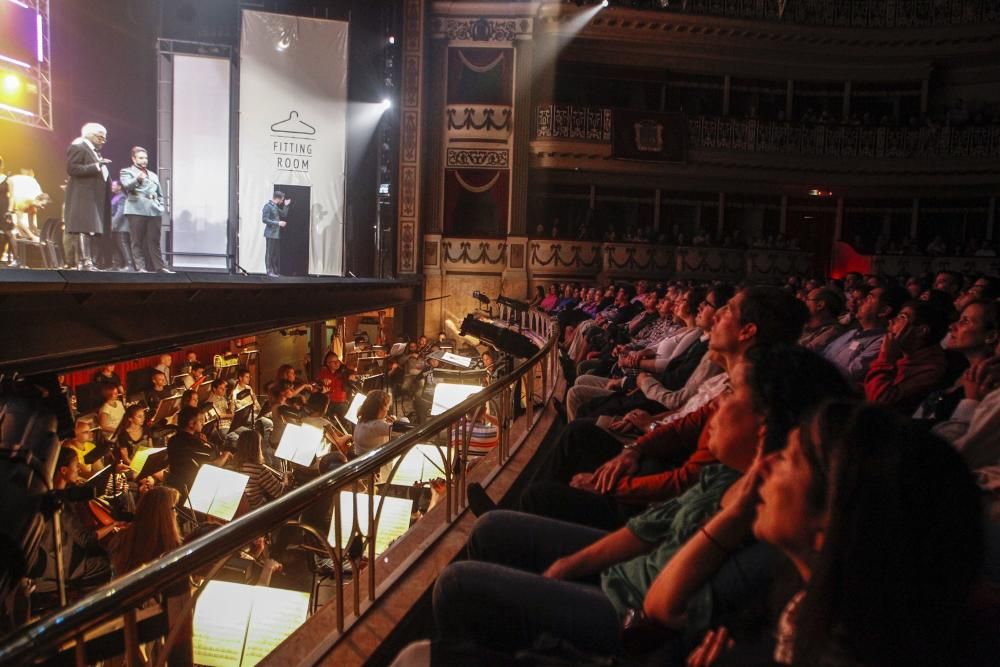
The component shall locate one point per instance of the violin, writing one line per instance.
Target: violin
(100, 513)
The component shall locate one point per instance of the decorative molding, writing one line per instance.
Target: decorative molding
(517, 256)
(464, 257)
(478, 157)
(410, 135)
(479, 117)
(482, 29)
(431, 253)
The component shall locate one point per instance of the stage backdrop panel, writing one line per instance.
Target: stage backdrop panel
(199, 189)
(293, 120)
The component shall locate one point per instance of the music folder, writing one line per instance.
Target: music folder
(241, 417)
(217, 492)
(299, 443)
(238, 625)
(148, 461)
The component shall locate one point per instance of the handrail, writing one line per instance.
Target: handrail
(39, 639)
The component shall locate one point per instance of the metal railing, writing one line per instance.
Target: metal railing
(66, 630)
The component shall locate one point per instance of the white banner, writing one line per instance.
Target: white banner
(293, 119)
(199, 191)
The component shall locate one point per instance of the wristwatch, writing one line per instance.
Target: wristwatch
(632, 446)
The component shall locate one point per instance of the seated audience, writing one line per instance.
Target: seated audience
(910, 362)
(533, 575)
(825, 305)
(880, 523)
(854, 351)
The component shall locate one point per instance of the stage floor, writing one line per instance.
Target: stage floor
(56, 320)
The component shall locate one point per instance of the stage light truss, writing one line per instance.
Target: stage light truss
(37, 72)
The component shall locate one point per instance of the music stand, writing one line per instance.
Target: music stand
(148, 461)
(242, 418)
(239, 624)
(452, 359)
(447, 396)
(299, 443)
(167, 408)
(183, 380)
(418, 465)
(97, 452)
(204, 389)
(217, 492)
(352, 409)
(393, 519)
(99, 480)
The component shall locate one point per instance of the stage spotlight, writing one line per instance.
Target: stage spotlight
(11, 83)
(284, 41)
(605, 3)
(386, 104)
(392, 39)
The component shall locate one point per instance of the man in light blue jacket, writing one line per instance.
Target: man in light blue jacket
(144, 210)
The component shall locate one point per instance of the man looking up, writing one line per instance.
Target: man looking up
(854, 351)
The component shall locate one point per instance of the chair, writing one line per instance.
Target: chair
(52, 238)
(25, 247)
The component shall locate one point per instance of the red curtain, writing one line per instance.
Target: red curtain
(205, 354)
(476, 214)
(493, 86)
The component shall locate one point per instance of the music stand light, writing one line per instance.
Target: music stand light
(299, 443)
(448, 395)
(217, 492)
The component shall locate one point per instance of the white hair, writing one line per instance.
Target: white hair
(92, 128)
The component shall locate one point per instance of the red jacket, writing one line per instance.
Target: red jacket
(336, 390)
(683, 443)
(905, 383)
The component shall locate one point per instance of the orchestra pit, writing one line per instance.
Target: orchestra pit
(405, 333)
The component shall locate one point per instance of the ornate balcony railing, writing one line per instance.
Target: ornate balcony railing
(843, 14)
(588, 260)
(915, 265)
(853, 141)
(592, 124)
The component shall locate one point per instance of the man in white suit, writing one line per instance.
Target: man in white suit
(144, 210)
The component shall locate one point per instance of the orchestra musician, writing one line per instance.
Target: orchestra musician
(265, 483)
(82, 443)
(84, 556)
(335, 377)
(164, 366)
(242, 385)
(152, 533)
(287, 373)
(132, 433)
(188, 450)
(111, 412)
(159, 391)
(316, 411)
(222, 402)
(374, 425)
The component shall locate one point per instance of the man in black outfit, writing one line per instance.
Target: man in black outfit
(187, 452)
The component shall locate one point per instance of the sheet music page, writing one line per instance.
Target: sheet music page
(221, 616)
(352, 411)
(393, 522)
(276, 614)
(299, 443)
(141, 454)
(217, 491)
(447, 396)
(416, 467)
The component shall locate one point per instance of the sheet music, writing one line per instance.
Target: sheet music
(217, 491)
(393, 521)
(352, 411)
(422, 463)
(456, 359)
(447, 396)
(299, 443)
(221, 616)
(276, 614)
(236, 625)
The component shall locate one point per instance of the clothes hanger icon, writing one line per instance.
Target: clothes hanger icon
(292, 125)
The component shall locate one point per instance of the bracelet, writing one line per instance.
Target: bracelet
(715, 542)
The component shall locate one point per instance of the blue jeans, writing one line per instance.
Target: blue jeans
(502, 601)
